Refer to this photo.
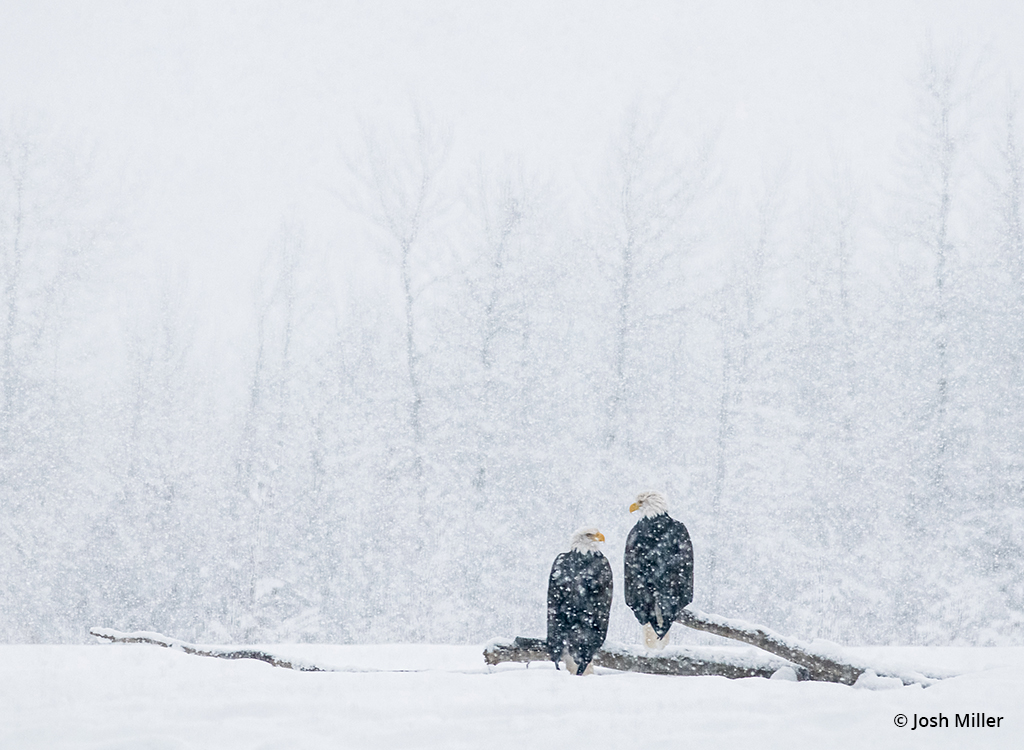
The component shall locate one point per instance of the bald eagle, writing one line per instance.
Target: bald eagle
(579, 601)
(658, 567)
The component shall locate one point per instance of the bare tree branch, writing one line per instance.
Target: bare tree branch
(820, 667)
(156, 639)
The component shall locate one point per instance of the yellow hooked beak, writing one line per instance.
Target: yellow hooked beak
(599, 537)
(634, 507)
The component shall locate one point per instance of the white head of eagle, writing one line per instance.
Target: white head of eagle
(658, 564)
(649, 504)
(579, 599)
(586, 540)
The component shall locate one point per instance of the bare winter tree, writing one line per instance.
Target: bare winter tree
(934, 175)
(160, 465)
(842, 389)
(653, 193)
(994, 516)
(51, 233)
(399, 192)
(494, 373)
(503, 207)
(742, 323)
(278, 470)
(397, 185)
(938, 254)
(1009, 183)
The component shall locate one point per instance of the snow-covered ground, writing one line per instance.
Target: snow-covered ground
(409, 696)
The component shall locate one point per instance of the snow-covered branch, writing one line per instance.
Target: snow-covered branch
(157, 639)
(818, 661)
(675, 660)
(823, 661)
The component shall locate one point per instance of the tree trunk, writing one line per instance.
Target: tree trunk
(806, 662)
(677, 661)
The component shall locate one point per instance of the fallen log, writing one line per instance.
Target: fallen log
(823, 661)
(675, 660)
(818, 661)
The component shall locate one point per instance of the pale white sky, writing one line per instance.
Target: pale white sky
(233, 114)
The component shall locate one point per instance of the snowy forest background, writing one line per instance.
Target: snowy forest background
(383, 425)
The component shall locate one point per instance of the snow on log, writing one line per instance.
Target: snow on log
(674, 660)
(823, 661)
(157, 639)
(818, 661)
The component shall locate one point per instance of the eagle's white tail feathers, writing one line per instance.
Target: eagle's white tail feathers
(571, 666)
(651, 639)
